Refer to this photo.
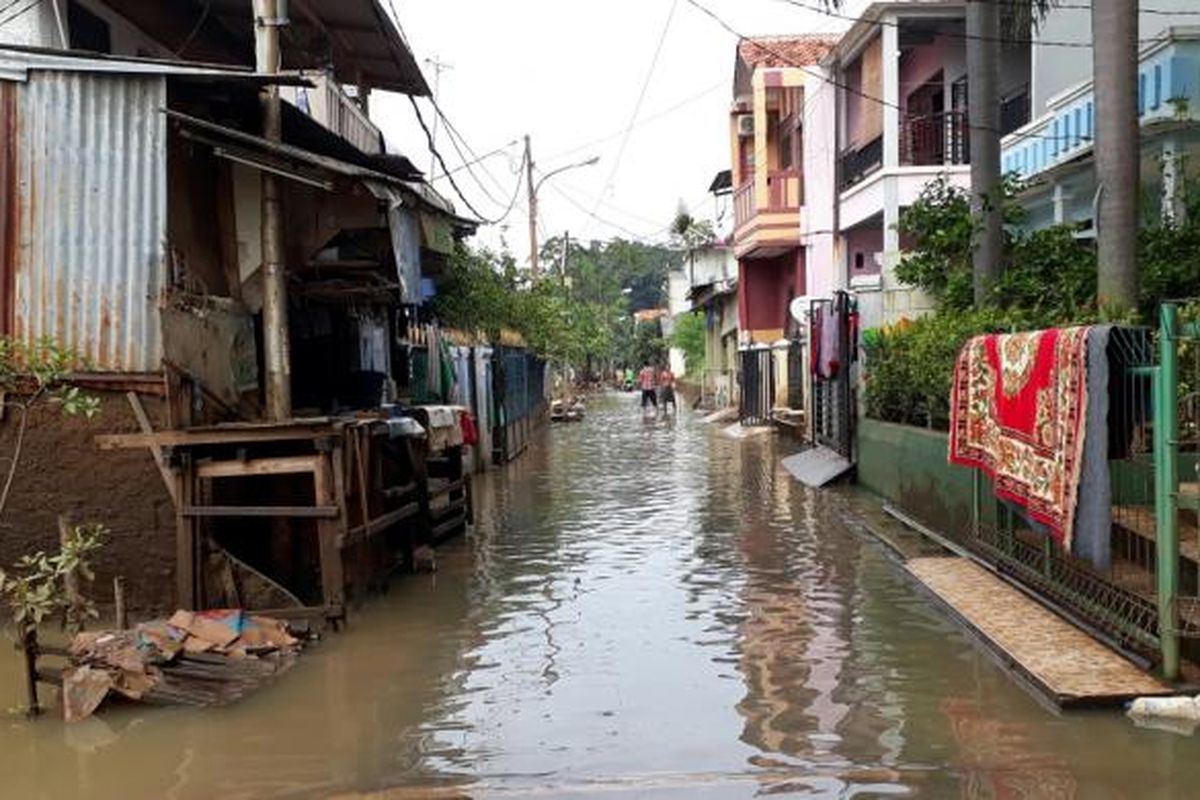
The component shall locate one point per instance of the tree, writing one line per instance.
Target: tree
(1114, 77)
(983, 69)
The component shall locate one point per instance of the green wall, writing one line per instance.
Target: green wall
(908, 467)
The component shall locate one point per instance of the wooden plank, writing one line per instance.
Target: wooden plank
(301, 512)
(1063, 662)
(196, 438)
(396, 492)
(156, 452)
(281, 465)
(185, 540)
(329, 531)
(379, 524)
(442, 530)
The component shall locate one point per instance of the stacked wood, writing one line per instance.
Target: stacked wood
(207, 658)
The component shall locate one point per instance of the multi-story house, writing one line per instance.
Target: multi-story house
(902, 120)
(775, 79)
(1053, 152)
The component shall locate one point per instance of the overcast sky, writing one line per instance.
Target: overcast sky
(568, 73)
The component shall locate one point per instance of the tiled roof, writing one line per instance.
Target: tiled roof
(785, 51)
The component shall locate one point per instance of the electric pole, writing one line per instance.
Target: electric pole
(276, 345)
(533, 238)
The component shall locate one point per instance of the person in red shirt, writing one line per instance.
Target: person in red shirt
(666, 390)
(646, 383)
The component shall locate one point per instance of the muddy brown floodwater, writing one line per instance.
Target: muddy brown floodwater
(645, 609)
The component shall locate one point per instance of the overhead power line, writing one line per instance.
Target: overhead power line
(637, 106)
(454, 184)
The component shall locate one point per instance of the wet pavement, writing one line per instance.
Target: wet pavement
(645, 609)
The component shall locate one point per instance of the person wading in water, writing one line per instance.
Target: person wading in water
(647, 384)
(666, 391)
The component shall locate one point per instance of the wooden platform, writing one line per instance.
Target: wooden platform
(1070, 667)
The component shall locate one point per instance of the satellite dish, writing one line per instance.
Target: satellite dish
(799, 306)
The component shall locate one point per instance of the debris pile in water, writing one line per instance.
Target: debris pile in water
(198, 658)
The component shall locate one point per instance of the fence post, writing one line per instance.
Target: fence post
(1166, 487)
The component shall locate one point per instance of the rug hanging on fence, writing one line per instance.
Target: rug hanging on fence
(1017, 413)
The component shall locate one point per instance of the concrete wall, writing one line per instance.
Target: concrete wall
(61, 472)
(765, 286)
(822, 275)
(907, 466)
(868, 242)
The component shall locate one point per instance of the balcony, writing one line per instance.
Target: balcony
(775, 226)
(328, 104)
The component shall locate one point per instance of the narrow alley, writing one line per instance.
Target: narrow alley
(643, 609)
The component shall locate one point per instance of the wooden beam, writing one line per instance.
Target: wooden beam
(184, 438)
(144, 423)
(329, 531)
(300, 512)
(379, 524)
(280, 465)
(185, 540)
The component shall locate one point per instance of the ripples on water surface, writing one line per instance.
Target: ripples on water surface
(645, 609)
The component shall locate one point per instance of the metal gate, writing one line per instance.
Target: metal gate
(758, 387)
(831, 322)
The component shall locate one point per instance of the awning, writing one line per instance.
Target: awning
(303, 165)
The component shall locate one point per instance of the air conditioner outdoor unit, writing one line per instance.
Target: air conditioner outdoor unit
(745, 125)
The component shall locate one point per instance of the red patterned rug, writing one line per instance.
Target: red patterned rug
(1017, 413)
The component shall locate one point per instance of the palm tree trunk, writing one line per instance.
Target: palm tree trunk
(1114, 71)
(983, 70)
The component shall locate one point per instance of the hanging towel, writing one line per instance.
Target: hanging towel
(1017, 413)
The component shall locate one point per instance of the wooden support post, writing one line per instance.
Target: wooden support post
(29, 647)
(329, 531)
(185, 537)
(119, 609)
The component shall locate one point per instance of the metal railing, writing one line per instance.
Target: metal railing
(758, 387)
(934, 139)
(743, 203)
(861, 162)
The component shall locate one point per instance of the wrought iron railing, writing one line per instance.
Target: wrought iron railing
(858, 163)
(934, 139)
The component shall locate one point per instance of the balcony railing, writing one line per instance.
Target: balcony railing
(784, 193)
(858, 163)
(328, 104)
(931, 140)
(743, 204)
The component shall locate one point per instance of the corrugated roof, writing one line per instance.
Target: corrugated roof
(356, 37)
(785, 51)
(89, 188)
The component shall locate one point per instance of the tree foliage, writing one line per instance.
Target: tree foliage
(579, 312)
(689, 336)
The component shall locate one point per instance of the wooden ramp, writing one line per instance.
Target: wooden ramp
(1070, 667)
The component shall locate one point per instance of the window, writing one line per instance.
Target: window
(87, 31)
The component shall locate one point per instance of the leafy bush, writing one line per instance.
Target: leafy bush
(689, 336)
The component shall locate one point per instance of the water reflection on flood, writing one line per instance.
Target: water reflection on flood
(645, 609)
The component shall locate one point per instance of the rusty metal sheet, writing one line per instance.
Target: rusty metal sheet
(88, 263)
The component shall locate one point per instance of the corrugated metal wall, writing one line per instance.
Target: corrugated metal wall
(90, 190)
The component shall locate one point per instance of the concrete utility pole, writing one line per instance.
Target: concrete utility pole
(533, 237)
(983, 70)
(534, 265)
(276, 346)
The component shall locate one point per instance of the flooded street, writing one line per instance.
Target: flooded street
(644, 609)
